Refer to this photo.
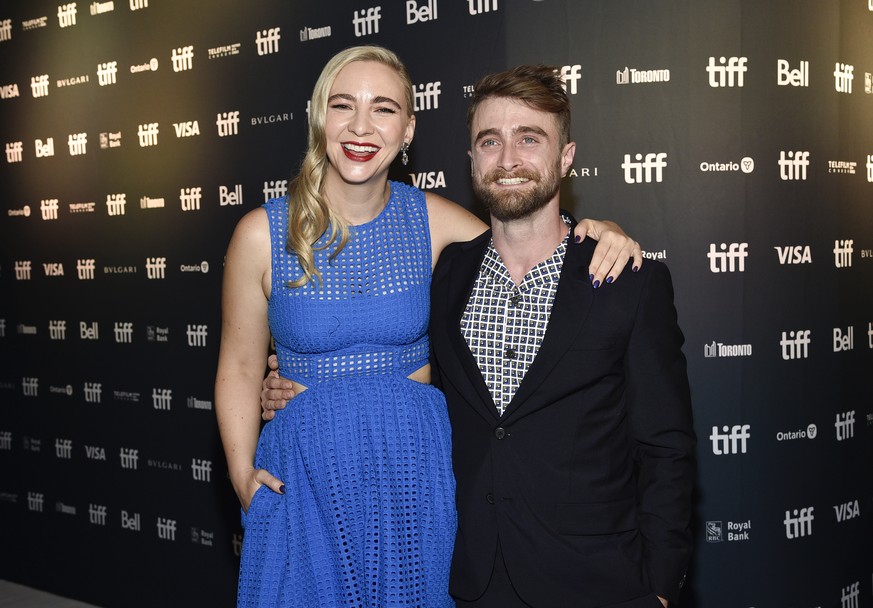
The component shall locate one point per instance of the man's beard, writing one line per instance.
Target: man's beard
(514, 205)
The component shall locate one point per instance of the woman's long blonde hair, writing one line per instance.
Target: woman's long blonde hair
(309, 215)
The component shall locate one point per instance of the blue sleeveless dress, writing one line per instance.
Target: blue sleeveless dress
(368, 514)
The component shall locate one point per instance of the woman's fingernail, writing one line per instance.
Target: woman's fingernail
(590, 277)
(282, 489)
(596, 284)
(578, 239)
(609, 279)
(636, 268)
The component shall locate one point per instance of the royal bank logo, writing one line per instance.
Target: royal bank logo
(77, 143)
(99, 8)
(110, 140)
(634, 76)
(427, 96)
(746, 165)
(719, 349)
(843, 253)
(162, 399)
(786, 76)
(39, 85)
(728, 258)
(85, 269)
(123, 332)
(131, 521)
(190, 198)
(798, 523)
(848, 167)
(267, 41)
(477, 7)
(150, 66)
(44, 149)
(93, 392)
(843, 77)
(275, 189)
(794, 254)
(570, 76)
(201, 470)
(14, 151)
(5, 30)
(847, 511)
(166, 529)
(9, 91)
(136, 5)
(22, 270)
(644, 169)
(156, 268)
(67, 14)
(849, 595)
(96, 514)
(48, 208)
(236, 543)
(148, 134)
(157, 334)
(736, 531)
(64, 448)
(366, 21)
(314, 33)
(419, 14)
(196, 335)
(795, 344)
(428, 179)
(188, 128)
(115, 204)
(226, 197)
(844, 341)
(227, 123)
(35, 501)
(845, 425)
(183, 58)
(57, 329)
(731, 439)
(202, 537)
(129, 458)
(793, 165)
(728, 72)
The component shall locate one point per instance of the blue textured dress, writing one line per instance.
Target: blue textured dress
(368, 514)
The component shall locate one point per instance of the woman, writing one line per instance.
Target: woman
(339, 273)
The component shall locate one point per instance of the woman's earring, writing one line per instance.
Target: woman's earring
(404, 157)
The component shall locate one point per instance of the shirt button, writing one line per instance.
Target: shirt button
(489, 497)
(510, 353)
(515, 300)
(500, 432)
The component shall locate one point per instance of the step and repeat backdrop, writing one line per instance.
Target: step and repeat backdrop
(733, 139)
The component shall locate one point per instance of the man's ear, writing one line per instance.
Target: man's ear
(567, 156)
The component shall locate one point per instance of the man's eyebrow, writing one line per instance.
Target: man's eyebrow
(520, 129)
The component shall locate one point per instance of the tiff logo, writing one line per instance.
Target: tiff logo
(201, 470)
(5, 440)
(367, 21)
(44, 150)
(39, 85)
(190, 199)
(93, 392)
(729, 258)
(795, 344)
(268, 41)
(795, 78)
(48, 208)
(2, 328)
(196, 335)
(183, 58)
(57, 330)
(67, 14)
(162, 398)
(166, 529)
(427, 96)
(414, 14)
(97, 514)
(129, 458)
(849, 596)
(227, 123)
(792, 165)
(30, 386)
(728, 73)
(845, 425)
(843, 77)
(64, 448)
(275, 189)
(800, 524)
(77, 143)
(870, 335)
(135, 5)
(477, 7)
(570, 75)
(131, 522)
(106, 73)
(85, 269)
(22, 270)
(123, 332)
(640, 171)
(35, 501)
(843, 253)
(115, 204)
(156, 268)
(5, 30)
(731, 441)
(14, 151)
(870, 167)
(148, 134)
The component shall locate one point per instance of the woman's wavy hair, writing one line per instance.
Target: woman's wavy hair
(309, 215)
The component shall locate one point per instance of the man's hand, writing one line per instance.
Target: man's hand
(663, 601)
(275, 391)
(613, 250)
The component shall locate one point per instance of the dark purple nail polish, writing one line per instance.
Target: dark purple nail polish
(578, 239)
(596, 284)
(636, 268)
(282, 489)
(609, 279)
(590, 277)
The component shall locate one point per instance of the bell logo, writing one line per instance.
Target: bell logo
(131, 522)
(366, 21)
(788, 77)
(843, 77)
(226, 197)
(44, 150)
(267, 41)
(728, 72)
(477, 7)
(414, 14)
(844, 341)
(798, 523)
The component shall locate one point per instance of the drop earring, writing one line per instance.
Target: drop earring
(404, 157)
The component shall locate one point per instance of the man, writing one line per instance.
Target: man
(570, 407)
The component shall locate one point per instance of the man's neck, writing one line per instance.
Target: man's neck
(525, 242)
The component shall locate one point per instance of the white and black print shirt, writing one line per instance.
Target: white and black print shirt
(504, 323)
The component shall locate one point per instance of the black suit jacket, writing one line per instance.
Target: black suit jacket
(587, 477)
